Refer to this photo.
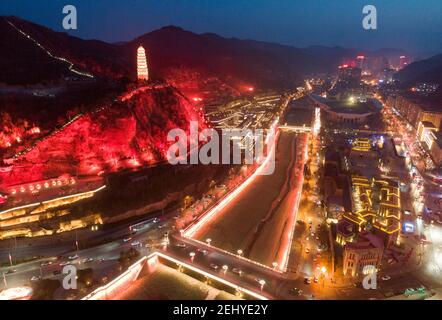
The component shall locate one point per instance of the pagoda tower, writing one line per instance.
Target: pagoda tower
(142, 70)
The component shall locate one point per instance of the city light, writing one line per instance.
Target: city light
(18, 293)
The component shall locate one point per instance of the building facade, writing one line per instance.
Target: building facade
(363, 256)
(415, 110)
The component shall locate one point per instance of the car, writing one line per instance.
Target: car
(75, 256)
(180, 245)
(386, 278)
(87, 260)
(358, 285)
(204, 252)
(214, 266)
(307, 280)
(315, 279)
(127, 239)
(307, 250)
(237, 271)
(64, 263)
(136, 243)
(101, 260)
(45, 264)
(35, 278)
(296, 291)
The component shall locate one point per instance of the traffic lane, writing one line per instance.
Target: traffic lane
(251, 273)
(44, 246)
(101, 256)
(246, 281)
(216, 253)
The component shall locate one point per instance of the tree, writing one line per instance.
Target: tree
(128, 257)
(44, 289)
(85, 277)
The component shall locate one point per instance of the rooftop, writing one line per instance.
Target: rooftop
(375, 202)
(366, 240)
(347, 106)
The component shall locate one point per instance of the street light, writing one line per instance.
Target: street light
(208, 240)
(323, 271)
(240, 252)
(192, 256)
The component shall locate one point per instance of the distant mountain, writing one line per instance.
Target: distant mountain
(26, 60)
(202, 56)
(428, 70)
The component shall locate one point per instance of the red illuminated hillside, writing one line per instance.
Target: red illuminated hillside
(124, 135)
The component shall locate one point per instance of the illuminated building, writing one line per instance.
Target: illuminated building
(348, 111)
(403, 62)
(376, 207)
(350, 75)
(360, 61)
(363, 256)
(433, 140)
(424, 130)
(416, 109)
(361, 144)
(142, 70)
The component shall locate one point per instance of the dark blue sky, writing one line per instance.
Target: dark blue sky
(414, 25)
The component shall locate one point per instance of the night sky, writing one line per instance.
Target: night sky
(414, 25)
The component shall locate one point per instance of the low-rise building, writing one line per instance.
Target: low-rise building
(376, 207)
(416, 109)
(363, 256)
(436, 147)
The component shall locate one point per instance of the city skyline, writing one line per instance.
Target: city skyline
(186, 166)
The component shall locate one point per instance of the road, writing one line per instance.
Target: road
(104, 257)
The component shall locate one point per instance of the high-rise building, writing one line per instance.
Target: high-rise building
(142, 70)
(350, 75)
(403, 62)
(360, 62)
